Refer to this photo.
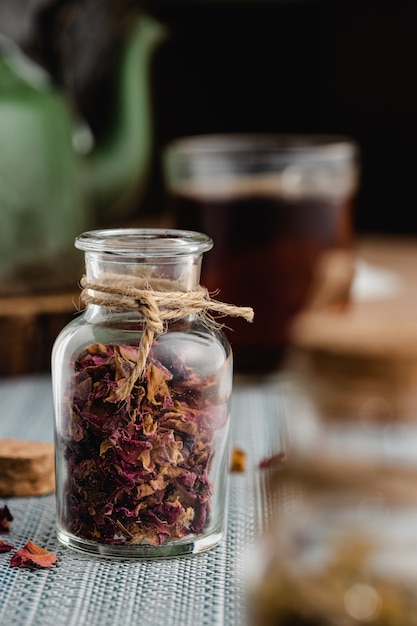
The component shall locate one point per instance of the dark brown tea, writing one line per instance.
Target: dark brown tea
(266, 246)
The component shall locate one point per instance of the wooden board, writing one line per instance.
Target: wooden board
(29, 326)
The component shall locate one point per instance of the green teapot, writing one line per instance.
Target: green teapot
(53, 184)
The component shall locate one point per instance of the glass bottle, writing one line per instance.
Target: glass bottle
(141, 459)
(345, 553)
(340, 544)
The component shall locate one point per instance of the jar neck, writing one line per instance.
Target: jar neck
(176, 273)
(121, 261)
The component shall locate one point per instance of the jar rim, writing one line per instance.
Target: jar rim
(144, 242)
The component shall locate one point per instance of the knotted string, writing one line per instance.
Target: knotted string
(156, 308)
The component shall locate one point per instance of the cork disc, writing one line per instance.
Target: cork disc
(27, 468)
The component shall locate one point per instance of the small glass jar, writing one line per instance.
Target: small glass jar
(339, 546)
(344, 553)
(141, 457)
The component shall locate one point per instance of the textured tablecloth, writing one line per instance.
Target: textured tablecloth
(201, 590)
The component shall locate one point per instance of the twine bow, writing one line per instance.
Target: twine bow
(156, 308)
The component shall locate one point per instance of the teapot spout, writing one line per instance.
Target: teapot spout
(119, 166)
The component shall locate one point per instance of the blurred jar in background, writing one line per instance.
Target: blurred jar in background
(272, 204)
(346, 554)
(341, 548)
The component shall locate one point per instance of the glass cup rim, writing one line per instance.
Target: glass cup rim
(246, 145)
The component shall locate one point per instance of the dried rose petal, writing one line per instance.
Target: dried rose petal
(32, 555)
(5, 547)
(238, 460)
(5, 518)
(275, 459)
(138, 470)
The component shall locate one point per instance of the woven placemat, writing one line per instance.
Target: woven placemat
(208, 589)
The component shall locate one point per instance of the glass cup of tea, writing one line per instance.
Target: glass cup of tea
(272, 205)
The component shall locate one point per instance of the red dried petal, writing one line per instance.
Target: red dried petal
(5, 518)
(5, 547)
(129, 463)
(32, 555)
(275, 459)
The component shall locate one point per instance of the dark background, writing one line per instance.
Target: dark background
(297, 66)
(315, 66)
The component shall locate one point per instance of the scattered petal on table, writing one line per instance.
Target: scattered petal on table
(275, 459)
(5, 547)
(5, 518)
(32, 555)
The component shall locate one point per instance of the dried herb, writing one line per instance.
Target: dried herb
(275, 459)
(5, 518)
(238, 460)
(138, 469)
(5, 547)
(32, 555)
